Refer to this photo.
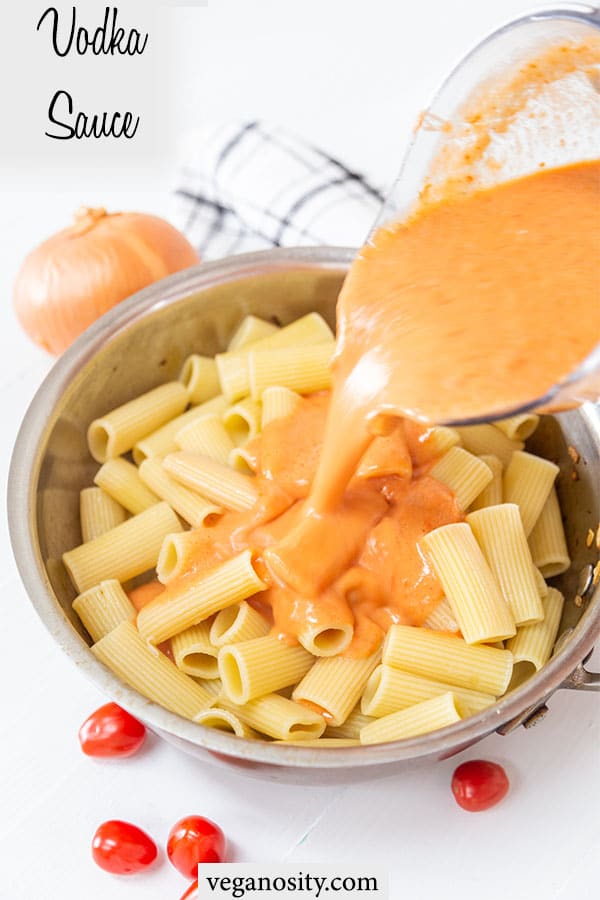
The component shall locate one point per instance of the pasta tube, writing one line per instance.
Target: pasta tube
(225, 720)
(196, 600)
(261, 666)
(499, 532)
(237, 623)
(440, 439)
(212, 480)
(334, 684)
(278, 402)
(200, 378)
(234, 372)
(121, 480)
(528, 481)
(123, 552)
(419, 719)
(302, 369)
(442, 618)
(278, 717)
(174, 555)
(242, 420)
(547, 540)
(103, 607)
(150, 672)
(489, 440)
(491, 495)
(250, 330)
(162, 441)
(242, 461)
(463, 473)
(207, 436)
(349, 729)
(540, 582)
(190, 505)
(469, 585)
(519, 427)
(389, 690)
(193, 652)
(98, 513)
(116, 432)
(447, 658)
(532, 645)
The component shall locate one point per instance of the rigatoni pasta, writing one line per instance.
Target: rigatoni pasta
(116, 432)
(233, 367)
(194, 653)
(547, 540)
(162, 441)
(334, 685)
(489, 440)
(250, 330)
(263, 665)
(471, 589)
(448, 659)
(236, 623)
(122, 481)
(438, 712)
(150, 672)
(212, 480)
(242, 421)
(200, 377)
(208, 436)
(278, 717)
(519, 427)
(123, 552)
(278, 402)
(302, 369)
(463, 473)
(491, 495)
(102, 607)
(273, 642)
(199, 598)
(98, 513)
(528, 481)
(389, 690)
(500, 534)
(186, 503)
(533, 644)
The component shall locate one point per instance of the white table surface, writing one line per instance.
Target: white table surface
(308, 66)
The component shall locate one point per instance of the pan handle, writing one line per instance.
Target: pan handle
(581, 679)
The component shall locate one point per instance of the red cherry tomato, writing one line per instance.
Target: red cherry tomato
(110, 731)
(479, 784)
(122, 848)
(195, 840)
(191, 893)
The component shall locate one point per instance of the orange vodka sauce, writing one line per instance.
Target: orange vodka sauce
(356, 565)
(476, 305)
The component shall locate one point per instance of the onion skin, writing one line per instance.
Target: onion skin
(74, 277)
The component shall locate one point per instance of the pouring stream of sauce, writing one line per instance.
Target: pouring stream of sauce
(475, 305)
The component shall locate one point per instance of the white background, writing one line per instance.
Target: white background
(350, 76)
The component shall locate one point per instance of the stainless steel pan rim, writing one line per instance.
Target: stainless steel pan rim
(23, 480)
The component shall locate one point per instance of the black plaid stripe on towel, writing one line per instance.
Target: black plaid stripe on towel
(251, 186)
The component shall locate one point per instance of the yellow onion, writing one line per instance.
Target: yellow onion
(75, 276)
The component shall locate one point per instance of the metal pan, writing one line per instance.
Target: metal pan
(142, 343)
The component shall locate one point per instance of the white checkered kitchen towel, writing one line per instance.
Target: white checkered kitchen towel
(249, 186)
